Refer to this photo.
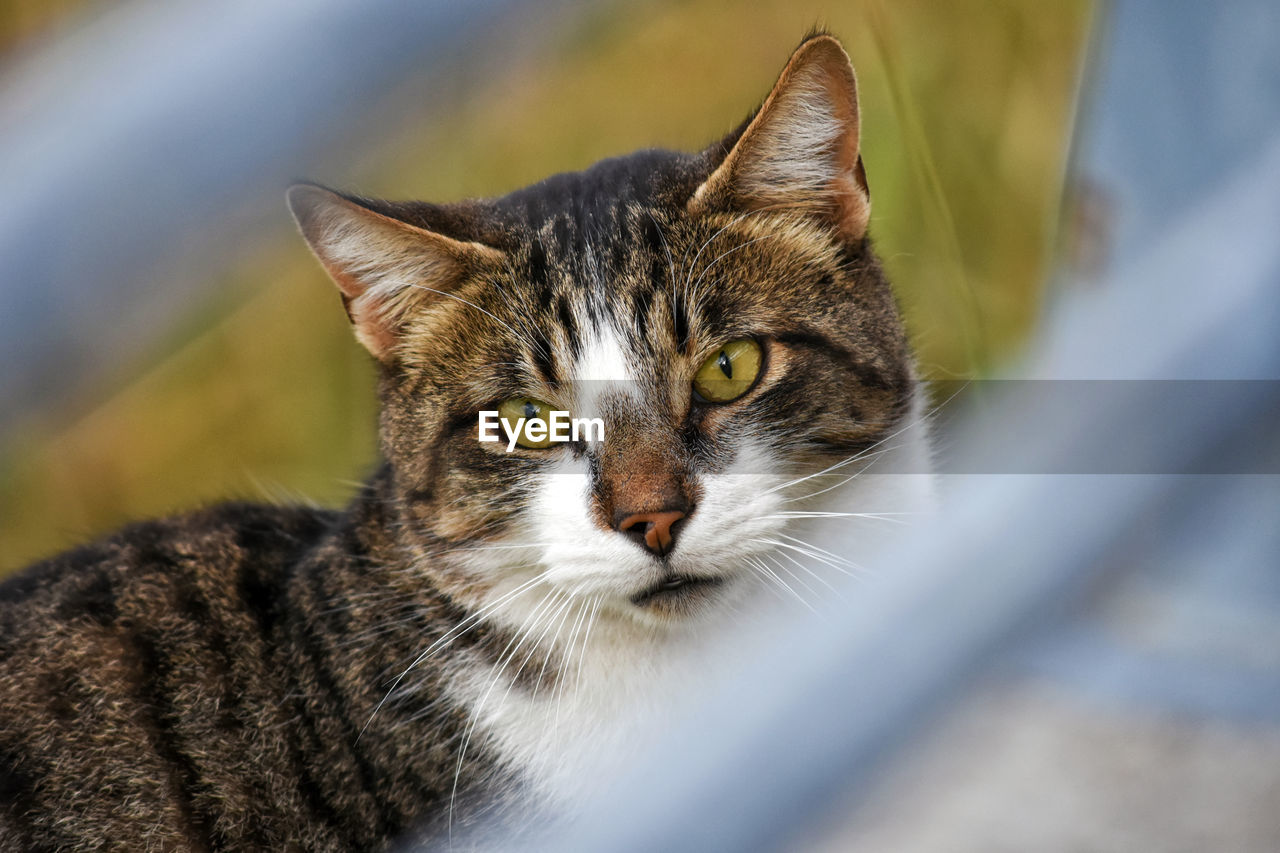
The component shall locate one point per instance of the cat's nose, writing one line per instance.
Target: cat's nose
(655, 530)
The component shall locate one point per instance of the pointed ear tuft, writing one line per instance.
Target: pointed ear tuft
(383, 267)
(801, 149)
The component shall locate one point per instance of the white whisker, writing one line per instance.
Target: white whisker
(448, 637)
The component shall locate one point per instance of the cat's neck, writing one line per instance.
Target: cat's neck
(360, 644)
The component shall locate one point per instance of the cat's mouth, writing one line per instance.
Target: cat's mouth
(674, 589)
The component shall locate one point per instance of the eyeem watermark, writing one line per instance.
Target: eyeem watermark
(558, 427)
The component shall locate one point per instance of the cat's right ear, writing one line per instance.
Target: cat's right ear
(383, 267)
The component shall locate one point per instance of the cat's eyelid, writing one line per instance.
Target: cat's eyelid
(813, 340)
(699, 354)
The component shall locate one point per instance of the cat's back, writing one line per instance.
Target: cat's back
(136, 673)
(239, 549)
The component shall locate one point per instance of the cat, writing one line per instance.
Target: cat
(486, 618)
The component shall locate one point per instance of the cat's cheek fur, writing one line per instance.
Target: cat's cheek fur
(736, 518)
(896, 494)
(581, 557)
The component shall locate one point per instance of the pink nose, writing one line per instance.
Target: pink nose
(656, 528)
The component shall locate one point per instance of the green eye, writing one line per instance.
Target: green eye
(512, 410)
(729, 372)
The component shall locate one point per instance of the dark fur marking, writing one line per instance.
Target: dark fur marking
(163, 724)
(318, 655)
(317, 802)
(562, 230)
(261, 594)
(538, 266)
(20, 800)
(95, 599)
(542, 361)
(868, 375)
(564, 316)
(65, 693)
(640, 308)
(20, 587)
(659, 272)
(681, 322)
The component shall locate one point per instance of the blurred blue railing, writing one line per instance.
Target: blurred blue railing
(167, 130)
(1177, 159)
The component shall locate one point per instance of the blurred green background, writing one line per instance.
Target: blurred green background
(260, 391)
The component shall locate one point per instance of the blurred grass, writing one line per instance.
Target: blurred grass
(262, 393)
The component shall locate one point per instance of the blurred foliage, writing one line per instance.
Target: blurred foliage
(262, 393)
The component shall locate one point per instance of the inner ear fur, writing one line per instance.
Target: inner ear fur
(800, 150)
(383, 267)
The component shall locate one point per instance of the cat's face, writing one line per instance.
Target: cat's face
(721, 314)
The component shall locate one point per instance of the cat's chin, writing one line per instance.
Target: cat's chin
(678, 596)
(676, 589)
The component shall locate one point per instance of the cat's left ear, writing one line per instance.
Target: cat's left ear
(800, 151)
